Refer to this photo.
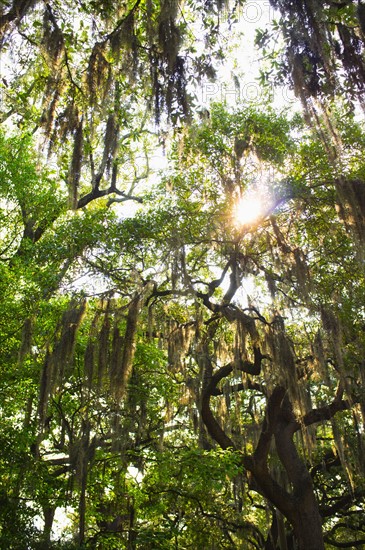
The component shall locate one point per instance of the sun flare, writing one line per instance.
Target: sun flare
(248, 210)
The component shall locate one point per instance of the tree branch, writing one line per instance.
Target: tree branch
(326, 412)
(342, 503)
(212, 425)
(97, 193)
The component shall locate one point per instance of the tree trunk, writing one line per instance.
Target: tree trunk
(308, 522)
(299, 506)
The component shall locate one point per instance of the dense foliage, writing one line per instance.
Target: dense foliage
(180, 373)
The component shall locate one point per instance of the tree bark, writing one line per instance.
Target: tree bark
(307, 522)
(299, 506)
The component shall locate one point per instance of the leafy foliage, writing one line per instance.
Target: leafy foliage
(175, 376)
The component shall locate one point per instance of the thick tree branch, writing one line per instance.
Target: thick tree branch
(300, 507)
(124, 197)
(214, 429)
(350, 544)
(326, 412)
(295, 468)
(342, 503)
(257, 464)
(212, 425)
(98, 193)
(263, 447)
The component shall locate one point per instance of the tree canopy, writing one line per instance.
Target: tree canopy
(182, 288)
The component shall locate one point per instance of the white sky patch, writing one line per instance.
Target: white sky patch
(237, 82)
(135, 474)
(62, 521)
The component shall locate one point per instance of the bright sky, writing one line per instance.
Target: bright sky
(248, 209)
(236, 84)
(242, 66)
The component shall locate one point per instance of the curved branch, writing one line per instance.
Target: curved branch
(212, 425)
(98, 193)
(342, 503)
(326, 412)
(263, 447)
(124, 197)
(351, 544)
(257, 464)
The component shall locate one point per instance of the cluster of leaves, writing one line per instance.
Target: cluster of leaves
(114, 404)
(80, 447)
